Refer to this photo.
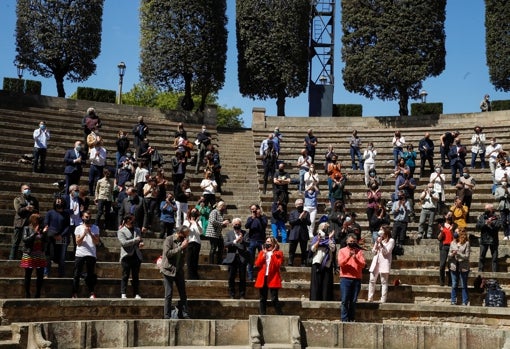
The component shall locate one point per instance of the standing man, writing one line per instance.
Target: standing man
(465, 187)
(489, 225)
(269, 158)
(97, 157)
(447, 139)
(304, 162)
(130, 255)
(103, 198)
(24, 206)
(87, 238)
(236, 243)
(457, 156)
(400, 210)
(355, 150)
(351, 262)
(428, 199)
(485, 104)
(135, 205)
(256, 225)
(214, 226)
(74, 160)
(41, 137)
(426, 148)
(299, 220)
(310, 143)
(502, 195)
(172, 268)
(140, 133)
(204, 139)
(281, 183)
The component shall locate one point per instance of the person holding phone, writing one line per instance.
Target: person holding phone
(269, 279)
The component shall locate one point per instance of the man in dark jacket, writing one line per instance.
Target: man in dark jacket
(140, 133)
(236, 243)
(489, 225)
(24, 205)
(426, 148)
(256, 225)
(135, 205)
(299, 220)
(74, 159)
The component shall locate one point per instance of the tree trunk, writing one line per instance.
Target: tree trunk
(280, 103)
(403, 110)
(59, 79)
(187, 102)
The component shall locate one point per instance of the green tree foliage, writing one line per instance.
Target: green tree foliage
(497, 40)
(184, 46)
(147, 96)
(272, 45)
(391, 46)
(59, 38)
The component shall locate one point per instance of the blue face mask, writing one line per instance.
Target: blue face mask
(76, 194)
(78, 148)
(26, 192)
(455, 235)
(42, 127)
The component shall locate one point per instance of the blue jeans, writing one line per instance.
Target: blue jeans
(463, 276)
(349, 290)
(279, 226)
(356, 152)
(254, 245)
(482, 159)
(456, 166)
(302, 180)
(396, 155)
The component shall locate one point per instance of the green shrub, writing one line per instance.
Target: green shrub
(347, 110)
(426, 108)
(500, 105)
(33, 87)
(96, 94)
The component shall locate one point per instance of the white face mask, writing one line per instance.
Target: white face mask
(438, 170)
(322, 234)
(380, 233)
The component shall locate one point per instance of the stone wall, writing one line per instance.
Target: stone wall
(13, 100)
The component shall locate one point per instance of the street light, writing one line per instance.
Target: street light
(323, 79)
(423, 95)
(122, 70)
(20, 67)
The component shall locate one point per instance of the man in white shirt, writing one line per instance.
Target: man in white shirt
(87, 238)
(428, 199)
(41, 137)
(492, 151)
(304, 162)
(97, 159)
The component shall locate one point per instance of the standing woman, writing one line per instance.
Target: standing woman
(445, 238)
(381, 263)
(269, 279)
(182, 195)
(323, 247)
(195, 230)
(478, 147)
(459, 264)
(130, 255)
(398, 143)
(438, 178)
(34, 240)
(369, 160)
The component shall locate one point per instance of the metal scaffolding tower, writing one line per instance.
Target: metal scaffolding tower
(321, 69)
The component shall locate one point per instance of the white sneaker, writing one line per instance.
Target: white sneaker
(123, 296)
(138, 296)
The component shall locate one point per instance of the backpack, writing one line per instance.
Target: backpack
(495, 296)
(269, 156)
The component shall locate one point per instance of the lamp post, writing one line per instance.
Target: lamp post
(20, 67)
(323, 79)
(122, 70)
(423, 95)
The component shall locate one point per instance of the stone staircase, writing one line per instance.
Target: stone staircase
(417, 315)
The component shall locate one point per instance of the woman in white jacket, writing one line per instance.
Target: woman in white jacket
(369, 160)
(381, 263)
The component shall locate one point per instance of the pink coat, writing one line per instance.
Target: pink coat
(382, 257)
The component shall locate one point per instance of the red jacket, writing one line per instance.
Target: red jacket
(274, 279)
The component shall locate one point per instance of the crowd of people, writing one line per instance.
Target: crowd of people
(130, 194)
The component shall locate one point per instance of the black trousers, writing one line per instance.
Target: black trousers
(233, 269)
(130, 265)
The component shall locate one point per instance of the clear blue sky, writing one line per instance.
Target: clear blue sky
(460, 87)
